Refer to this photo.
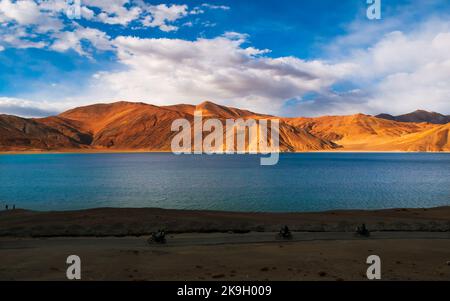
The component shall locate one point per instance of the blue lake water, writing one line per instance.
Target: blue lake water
(300, 182)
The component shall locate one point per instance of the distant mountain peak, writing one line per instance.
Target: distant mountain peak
(212, 109)
(418, 116)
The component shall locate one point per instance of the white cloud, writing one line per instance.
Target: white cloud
(161, 15)
(19, 38)
(25, 22)
(73, 40)
(28, 13)
(123, 12)
(22, 11)
(115, 11)
(397, 72)
(403, 71)
(87, 13)
(212, 6)
(172, 70)
(45, 26)
(27, 108)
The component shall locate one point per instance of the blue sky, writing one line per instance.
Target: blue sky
(295, 58)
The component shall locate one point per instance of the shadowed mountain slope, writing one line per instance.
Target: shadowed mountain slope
(20, 134)
(418, 116)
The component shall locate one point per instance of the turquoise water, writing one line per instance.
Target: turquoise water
(300, 182)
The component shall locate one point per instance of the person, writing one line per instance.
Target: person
(363, 231)
(158, 237)
(285, 232)
(14, 207)
(6, 207)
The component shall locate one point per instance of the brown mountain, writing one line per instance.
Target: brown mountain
(131, 126)
(125, 125)
(20, 134)
(418, 116)
(363, 132)
(435, 139)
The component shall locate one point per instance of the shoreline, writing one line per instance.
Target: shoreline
(103, 222)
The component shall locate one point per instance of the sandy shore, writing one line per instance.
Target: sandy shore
(413, 244)
(137, 222)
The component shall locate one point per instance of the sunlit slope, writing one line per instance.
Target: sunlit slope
(143, 127)
(365, 133)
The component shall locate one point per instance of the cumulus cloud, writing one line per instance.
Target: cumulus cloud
(123, 12)
(73, 40)
(162, 15)
(18, 37)
(27, 13)
(23, 11)
(23, 22)
(222, 69)
(113, 11)
(401, 72)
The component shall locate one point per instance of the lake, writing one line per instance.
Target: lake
(300, 182)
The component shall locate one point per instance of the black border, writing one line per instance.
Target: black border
(79, 290)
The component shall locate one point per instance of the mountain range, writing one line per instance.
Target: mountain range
(128, 126)
(418, 116)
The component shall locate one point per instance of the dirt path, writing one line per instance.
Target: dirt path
(251, 256)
